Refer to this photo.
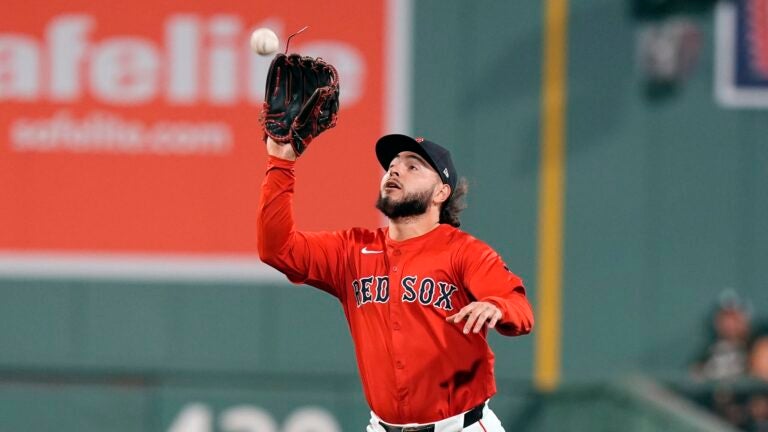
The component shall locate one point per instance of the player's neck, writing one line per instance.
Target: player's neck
(406, 228)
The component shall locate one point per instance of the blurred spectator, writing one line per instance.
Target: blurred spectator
(730, 406)
(736, 349)
(758, 357)
(725, 357)
(758, 413)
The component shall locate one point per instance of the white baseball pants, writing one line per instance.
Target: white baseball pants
(489, 423)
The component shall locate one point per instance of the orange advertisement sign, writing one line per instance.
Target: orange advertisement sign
(132, 127)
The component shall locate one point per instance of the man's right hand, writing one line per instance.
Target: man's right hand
(283, 151)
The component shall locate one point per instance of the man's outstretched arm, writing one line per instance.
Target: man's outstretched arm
(501, 300)
(311, 258)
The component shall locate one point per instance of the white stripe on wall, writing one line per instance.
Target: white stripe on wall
(155, 267)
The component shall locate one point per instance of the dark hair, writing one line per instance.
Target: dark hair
(449, 212)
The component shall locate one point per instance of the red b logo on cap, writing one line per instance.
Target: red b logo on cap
(419, 140)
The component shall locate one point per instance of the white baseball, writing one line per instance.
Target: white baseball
(264, 41)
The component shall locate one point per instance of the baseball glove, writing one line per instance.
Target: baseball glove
(301, 100)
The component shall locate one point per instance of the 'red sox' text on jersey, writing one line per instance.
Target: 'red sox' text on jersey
(396, 295)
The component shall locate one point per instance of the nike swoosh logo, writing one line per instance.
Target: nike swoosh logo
(366, 251)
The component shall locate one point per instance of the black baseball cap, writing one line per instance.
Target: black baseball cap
(389, 146)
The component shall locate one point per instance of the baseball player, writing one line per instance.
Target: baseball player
(419, 294)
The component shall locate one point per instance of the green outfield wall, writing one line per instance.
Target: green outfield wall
(666, 197)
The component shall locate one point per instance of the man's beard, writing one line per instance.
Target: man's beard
(413, 204)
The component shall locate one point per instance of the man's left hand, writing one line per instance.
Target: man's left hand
(477, 314)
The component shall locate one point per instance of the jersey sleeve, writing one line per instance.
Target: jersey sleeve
(488, 279)
(313, 258)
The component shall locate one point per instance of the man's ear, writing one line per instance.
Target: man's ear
(443, 193)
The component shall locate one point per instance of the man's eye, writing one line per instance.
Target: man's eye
(413, 167)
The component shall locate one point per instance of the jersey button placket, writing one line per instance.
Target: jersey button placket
(395, 319)
(394, 270)
(394, 261)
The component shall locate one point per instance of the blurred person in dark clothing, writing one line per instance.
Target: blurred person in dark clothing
(758, 413)
(726, 356)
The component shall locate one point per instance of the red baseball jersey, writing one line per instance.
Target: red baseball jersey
(415, 367)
